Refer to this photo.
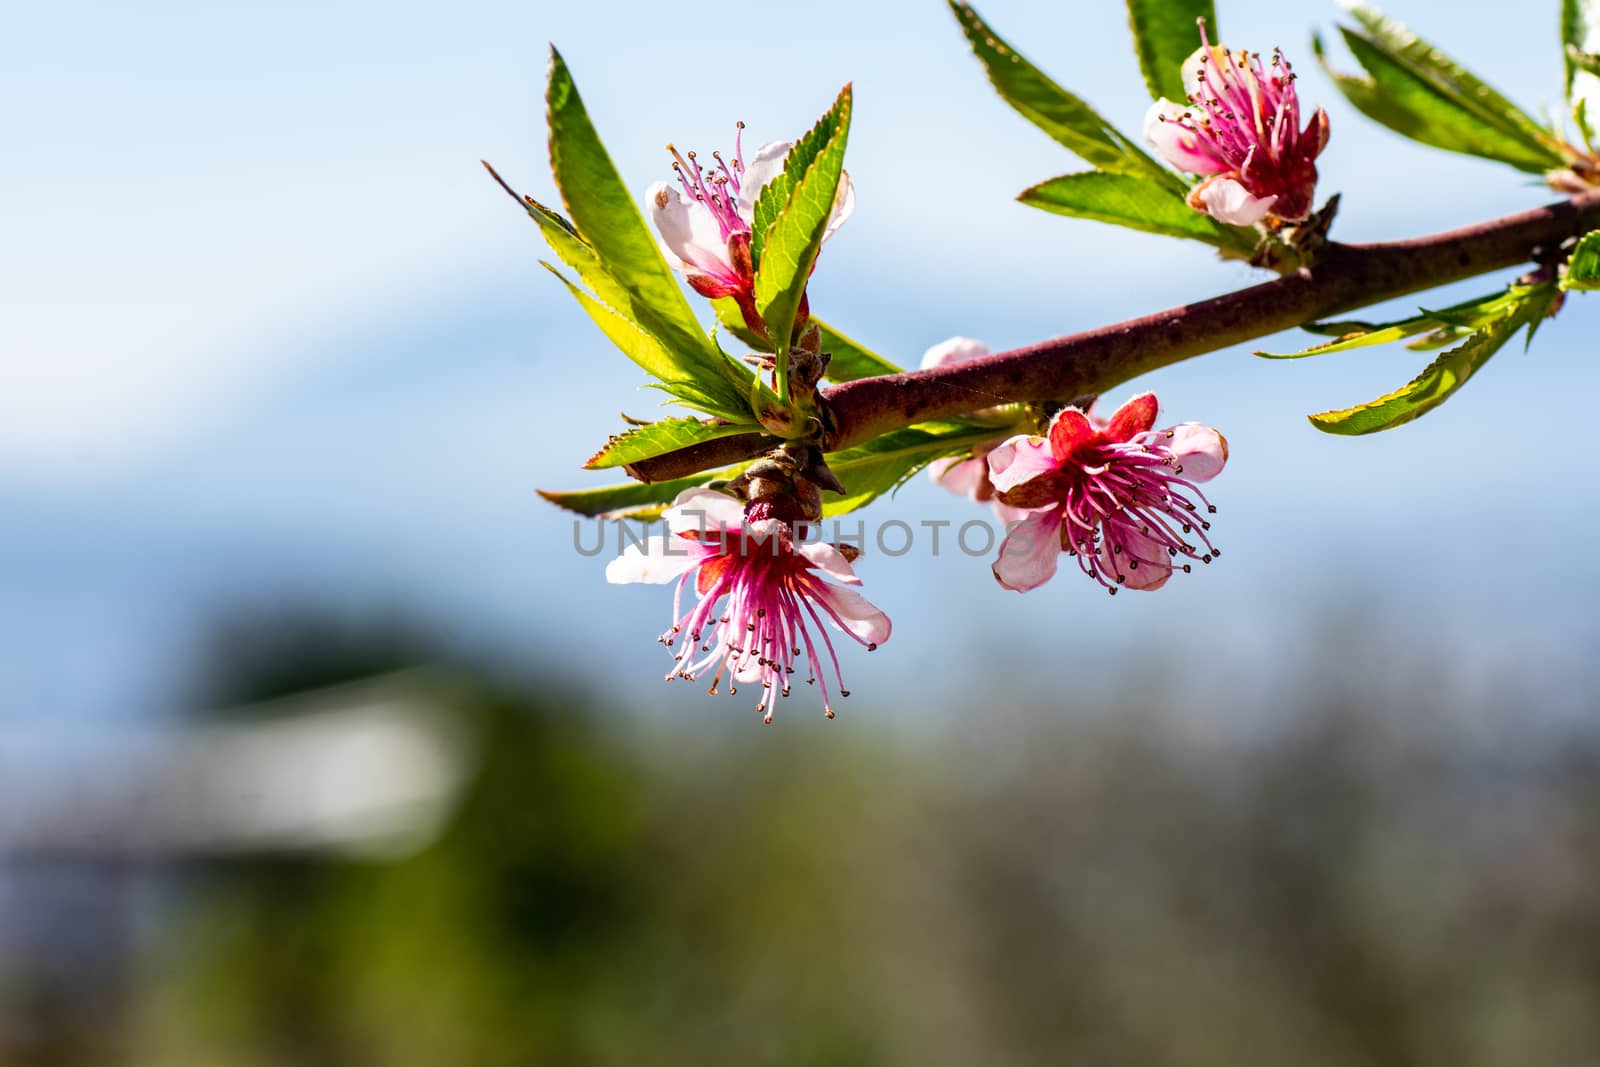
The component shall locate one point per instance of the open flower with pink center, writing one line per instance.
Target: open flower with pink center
(1120, 497)
(762, 597)
(705, 224)
(1242, 128)
(965, 475)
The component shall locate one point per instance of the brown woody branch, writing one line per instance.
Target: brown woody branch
(1346, 277)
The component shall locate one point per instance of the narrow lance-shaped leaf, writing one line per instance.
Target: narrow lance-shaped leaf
(605, 215)
(1426, 109)
(1064, 117)
(1165, 33)
(1460, 84)
(791, 242)
(659, 438)
(629, 500)
(1137, 203)
(1443, 376)
(708, 394)
(775, 194)
(1349, 335)
(1583, 266)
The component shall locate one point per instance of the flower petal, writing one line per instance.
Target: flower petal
(966, 477)
(702, 511)
(1225, 200)
(1018, 460)
(953, 350)
(765, 165)
(1175, 142)
(689, 232)
(660, 559)
(1031, 550)
(1200, 450)
(1194, 68)
(853, 613)
(1070, 430)
(844, 204)
(1142, 562)
(830, 561)
(1133, 418)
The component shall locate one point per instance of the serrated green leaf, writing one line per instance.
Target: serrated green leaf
(1136, 203)
(1450, 76)
(1583, 266)
(606, 217)
(1469, 314)
(849, 360)
(775, 194)
(715, 396)
(1443, 376)
(690, 348)
(1165, 33)
(659, 438)
(792, 241)
(1419, 104)
(884, 463)
(1587, 62)
(1064, 117)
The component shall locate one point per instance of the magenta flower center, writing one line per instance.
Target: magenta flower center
(717, 189)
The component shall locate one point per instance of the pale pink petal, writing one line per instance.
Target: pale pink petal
(953, 350)
(830, 561)
(844, 205)
(1142, 562)
(1225, 200)
(1008, 514)
(1030, 552)
(704, 511)
(765, 165)
(1175, 143)
(1194, 68)
(660, 559)
(1018, 460)
(688, 231)
(1200, 450)
(964, 476)
(859, 615)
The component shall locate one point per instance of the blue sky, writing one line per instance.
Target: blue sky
(269, 332)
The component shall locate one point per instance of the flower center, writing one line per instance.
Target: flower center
(717, 189)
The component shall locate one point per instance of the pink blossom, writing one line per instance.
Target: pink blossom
(965, 475)
(705, 226)
(1242, 128)
(771, 588)
(1120, 497)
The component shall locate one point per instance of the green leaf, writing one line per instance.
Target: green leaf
(659, 438)
(630, 500)
(1580, 35)
(1064, 117)
(716, 396)
(1469, 314)
(1444, 375)
(790, 244)
(884, 463)
(1419, 101)
(606, 217)
(1165, 33)
(775, 194)
(1451, 77)
(1136, 203)
(1583, 266)
(849, 360)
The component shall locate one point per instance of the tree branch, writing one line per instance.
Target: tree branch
(1345, 278)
